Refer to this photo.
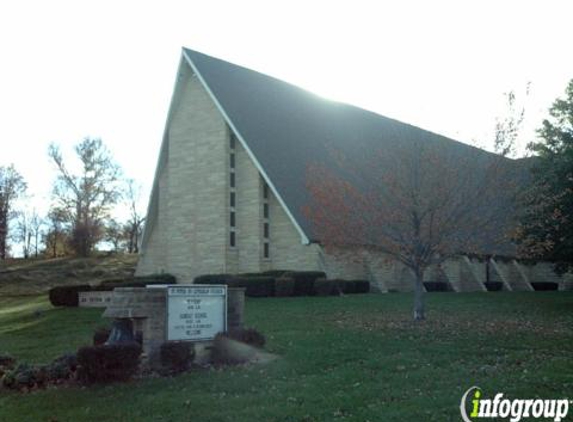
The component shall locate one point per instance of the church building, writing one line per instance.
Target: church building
(230, 189)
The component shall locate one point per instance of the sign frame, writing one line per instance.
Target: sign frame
(170, 293)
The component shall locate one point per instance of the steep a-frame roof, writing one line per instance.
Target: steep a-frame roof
(286, 129)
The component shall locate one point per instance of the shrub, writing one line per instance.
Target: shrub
(437, 286)
(67, 295)
(323, 287)
(544, 286)
(304, 281)
(362, 286)
(176, 356)
(23, 377)
(274, 273)
(348, 287)
(255, 286)
(100, 336)
(248, 336)
(26, 376)
(150, 279)
(140, 281)
(61, 368)
(7, 361)
(108, 363)
(284, 287)
(213, 279)
(493, 286)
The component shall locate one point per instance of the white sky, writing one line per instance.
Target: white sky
(107, 68)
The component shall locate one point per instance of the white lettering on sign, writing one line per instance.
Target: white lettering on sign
(196, 312)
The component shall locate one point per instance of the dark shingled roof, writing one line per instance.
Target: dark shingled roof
(288, 128)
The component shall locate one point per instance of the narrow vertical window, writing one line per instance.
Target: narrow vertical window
(266, 231)
(232, 191)
(266, 252)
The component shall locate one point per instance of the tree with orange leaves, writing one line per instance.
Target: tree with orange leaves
(418, 202)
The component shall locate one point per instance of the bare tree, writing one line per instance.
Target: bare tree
(508, 127)
(115, 235)
(134, 225)
(29, 229)
(36, 229)
(12, 186)
(417, 202)
(86, 198)
(56, 237)
(24, 234)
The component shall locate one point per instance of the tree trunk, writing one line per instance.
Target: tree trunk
(419, 305)
(3, 236)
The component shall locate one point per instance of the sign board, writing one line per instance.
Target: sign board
(196, 312)
(94, 299)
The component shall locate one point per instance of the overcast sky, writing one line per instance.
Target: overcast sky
(107, 68)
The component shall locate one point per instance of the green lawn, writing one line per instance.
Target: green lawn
(353, 358)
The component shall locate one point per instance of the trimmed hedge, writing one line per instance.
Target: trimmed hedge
(348, 287)
(100, 336)
(255, 286)
(304, 281)
(108, 363)
(139, 281)
(362, 286)
(275, 273)
(542, 286)
(67, 295)
(176, 356)
(493, 286)
(290, 283)
(323, 287)
(284, 287)
(213, 279)
(437, 286)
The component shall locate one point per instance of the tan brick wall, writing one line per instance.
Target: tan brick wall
(286, 248)
(190, 235)
(191, 230)
(249, 212)
(153, 259)
(197, 227)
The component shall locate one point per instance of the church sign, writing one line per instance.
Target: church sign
(196, 312)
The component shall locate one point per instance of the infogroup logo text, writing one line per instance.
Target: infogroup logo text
(514, 409)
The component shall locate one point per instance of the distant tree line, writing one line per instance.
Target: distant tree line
(80, 217)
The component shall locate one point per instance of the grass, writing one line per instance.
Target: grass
(37, 275)
(355, 358)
